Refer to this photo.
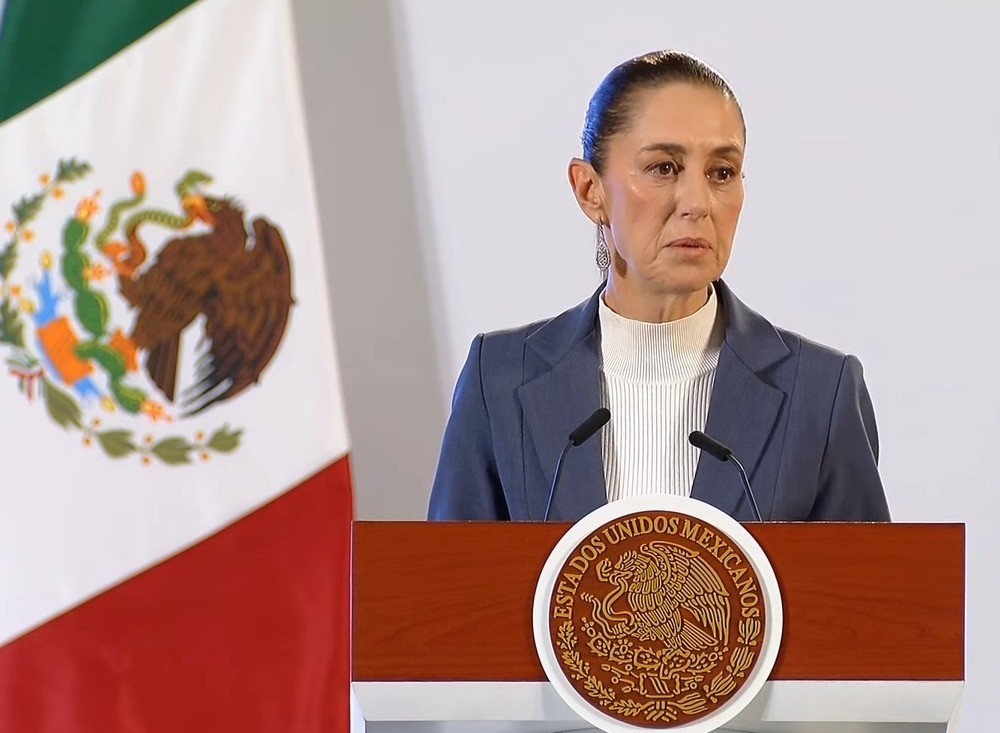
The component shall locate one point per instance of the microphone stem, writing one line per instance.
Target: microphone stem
(746, 488)
(555, 480)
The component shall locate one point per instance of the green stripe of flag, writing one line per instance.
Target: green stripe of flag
(47, 44)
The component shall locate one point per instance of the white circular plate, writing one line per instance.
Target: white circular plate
(711, 516)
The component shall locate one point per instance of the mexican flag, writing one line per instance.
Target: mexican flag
(175, 496)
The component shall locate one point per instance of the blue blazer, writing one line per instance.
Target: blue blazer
(795, 413)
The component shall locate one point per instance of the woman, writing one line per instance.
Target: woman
(663, 343)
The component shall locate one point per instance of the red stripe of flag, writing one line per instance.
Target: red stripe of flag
(246, 631)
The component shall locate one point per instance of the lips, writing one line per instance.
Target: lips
(690, 243)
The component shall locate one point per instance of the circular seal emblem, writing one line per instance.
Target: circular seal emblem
(657, 612)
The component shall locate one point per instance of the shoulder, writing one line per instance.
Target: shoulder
(513, 338)
(549, 336)
(813, 355)
(763, 345)
(821, 379)
(824, 376)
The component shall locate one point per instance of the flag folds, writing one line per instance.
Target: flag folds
(175, 495)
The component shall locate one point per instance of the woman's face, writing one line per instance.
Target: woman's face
(673, 190)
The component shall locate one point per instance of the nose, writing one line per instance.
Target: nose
(692, 196)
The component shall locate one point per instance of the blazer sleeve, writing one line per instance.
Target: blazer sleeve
(467, 484)
(850, 488)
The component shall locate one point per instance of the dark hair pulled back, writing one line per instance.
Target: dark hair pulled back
(612, 105)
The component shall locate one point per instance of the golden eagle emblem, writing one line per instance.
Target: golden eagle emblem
(672, 596)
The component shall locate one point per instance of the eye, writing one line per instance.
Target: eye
(723, 174)
(665, 169)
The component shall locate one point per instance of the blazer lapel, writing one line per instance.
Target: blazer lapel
(554, 403)
(562, 389)
(743, 410)
(741, 414)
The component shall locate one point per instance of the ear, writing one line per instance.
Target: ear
(587, 187)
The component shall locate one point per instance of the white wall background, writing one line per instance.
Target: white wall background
(441, 133)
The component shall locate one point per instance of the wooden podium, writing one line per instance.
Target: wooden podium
(873, 633)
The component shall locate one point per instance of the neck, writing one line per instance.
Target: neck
(658, 308)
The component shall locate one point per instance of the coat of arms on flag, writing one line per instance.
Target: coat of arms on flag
(61, 318)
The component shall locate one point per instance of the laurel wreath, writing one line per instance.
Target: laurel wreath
(61, 406)
(690, 703)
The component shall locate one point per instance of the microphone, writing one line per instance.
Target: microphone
(722, 452)
(578, 437)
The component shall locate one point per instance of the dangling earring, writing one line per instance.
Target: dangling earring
(603, 255)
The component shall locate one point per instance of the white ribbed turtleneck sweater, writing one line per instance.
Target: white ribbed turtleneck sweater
(656, 379)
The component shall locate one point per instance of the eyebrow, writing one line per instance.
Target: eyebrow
(678, 149)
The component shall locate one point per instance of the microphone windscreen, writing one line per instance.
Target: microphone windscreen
(590, 426)
(710, 445)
